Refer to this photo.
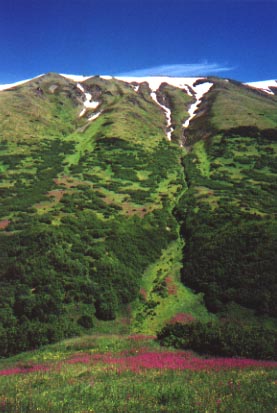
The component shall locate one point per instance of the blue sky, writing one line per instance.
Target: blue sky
(228, 38)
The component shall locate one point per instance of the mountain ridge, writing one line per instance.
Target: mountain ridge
(259, 84)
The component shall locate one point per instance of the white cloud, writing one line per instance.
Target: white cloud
(182, 70)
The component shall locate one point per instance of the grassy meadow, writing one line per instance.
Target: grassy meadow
(117, 373)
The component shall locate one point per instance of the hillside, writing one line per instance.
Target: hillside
(110, 188)
(131, 373)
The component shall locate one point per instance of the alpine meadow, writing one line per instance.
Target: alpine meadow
(138, 243)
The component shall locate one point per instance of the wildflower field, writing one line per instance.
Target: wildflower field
(113, 373)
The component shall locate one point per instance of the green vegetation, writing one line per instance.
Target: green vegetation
(88, 206)
(179, 102)
(222, 339)
(230, 105)
(107, 229)
(131, 374)
(228, 212)
(163, 296)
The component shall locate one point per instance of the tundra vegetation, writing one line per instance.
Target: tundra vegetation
(108, 229)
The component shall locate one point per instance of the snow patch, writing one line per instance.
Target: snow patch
(135, 87)
(106, 77)
(83, 111)
(21, 82)
(95, 116)
(184, 83)
(187, 89)
(155, 82)
(76, 78)
(200, 90)
(88, 103)
(79, 86)
(264, 85)
(167, 115)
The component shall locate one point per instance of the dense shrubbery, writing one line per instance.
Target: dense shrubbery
(54, 280)
(231, 258)
(222, 339)
(227, 222)
(72, 252)
(22, 195)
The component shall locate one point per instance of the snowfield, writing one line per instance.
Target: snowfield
(76, 78)
(155, 82)
(264, 85)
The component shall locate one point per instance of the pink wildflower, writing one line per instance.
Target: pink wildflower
(182, 318)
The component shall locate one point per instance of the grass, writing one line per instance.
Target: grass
(163, 295)
(179, 103)
(131, 374)
(203, 163)
(236, 106)
(226, 161)
(84, 142)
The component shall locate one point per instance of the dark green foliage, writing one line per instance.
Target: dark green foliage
(20, 196)
(48, 269)
(231, 258)
(227, 218)
(222, 339)
(72, 252)
(85, 321)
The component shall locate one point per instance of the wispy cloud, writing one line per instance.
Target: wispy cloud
(187, 69)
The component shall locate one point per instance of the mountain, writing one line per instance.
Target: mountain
(128, 203)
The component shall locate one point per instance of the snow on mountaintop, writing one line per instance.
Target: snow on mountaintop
(186, 83)
(153, 81)
(21, 82)
(76, 78)
(10, 85)
(156, 81)
(264, 85)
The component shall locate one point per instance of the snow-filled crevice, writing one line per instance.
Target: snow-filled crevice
(94, 116)
(184, 83)
(167, 112)
(199, 91)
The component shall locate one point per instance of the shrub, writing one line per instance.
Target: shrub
(223, 338)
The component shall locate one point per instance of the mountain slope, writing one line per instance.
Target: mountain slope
(229, 218)
(104, 180)
(86, 204)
